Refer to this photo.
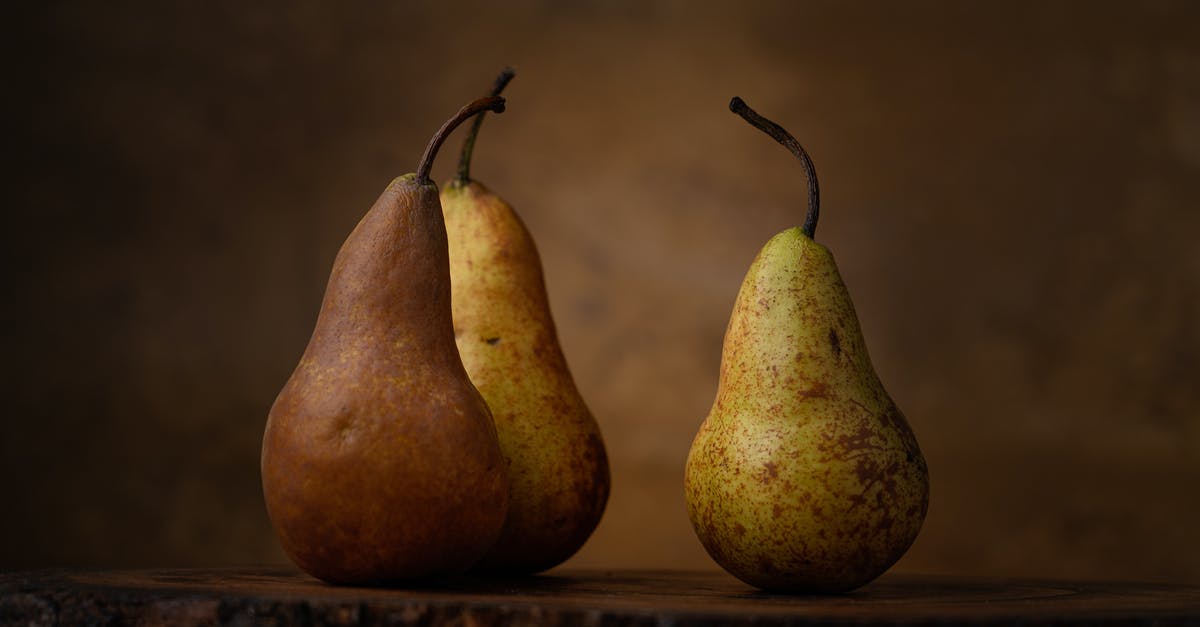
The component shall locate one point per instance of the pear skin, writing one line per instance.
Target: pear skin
(805, 476)
(380, 462)
(556, 460)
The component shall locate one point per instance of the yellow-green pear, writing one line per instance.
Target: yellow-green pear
(805, 476)
(380, 462)
(557, 466)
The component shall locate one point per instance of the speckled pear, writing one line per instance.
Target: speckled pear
(380, 462)
(805, 476)
(557, 466)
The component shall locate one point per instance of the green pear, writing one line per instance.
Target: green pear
(557, 466)
(805, 476)
(380, 461)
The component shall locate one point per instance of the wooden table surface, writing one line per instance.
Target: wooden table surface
(280, 596)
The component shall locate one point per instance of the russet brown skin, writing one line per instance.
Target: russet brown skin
(380, 462)
(551, 443)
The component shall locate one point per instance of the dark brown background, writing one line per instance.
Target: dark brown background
(1011, 190)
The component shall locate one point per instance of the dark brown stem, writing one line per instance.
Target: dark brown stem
(464, 162)
(777, 132)
(483, 104)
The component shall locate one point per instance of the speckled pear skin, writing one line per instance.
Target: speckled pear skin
(557, 465)
(805, 476)
(380, 462)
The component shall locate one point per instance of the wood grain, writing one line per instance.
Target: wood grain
(277, 596)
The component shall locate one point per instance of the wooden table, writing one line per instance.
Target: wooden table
(280, 596)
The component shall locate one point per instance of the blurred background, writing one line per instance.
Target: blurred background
(1011, 190)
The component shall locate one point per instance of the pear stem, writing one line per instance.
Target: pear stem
(494, 103)
(464, 162)
(777, 132)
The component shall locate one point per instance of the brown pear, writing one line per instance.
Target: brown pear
(557, 466)
(380, 461)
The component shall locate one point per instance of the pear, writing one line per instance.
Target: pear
(552, 447)
(380, 462)
(805, 476)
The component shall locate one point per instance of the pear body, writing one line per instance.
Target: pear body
(805, 476)
(555, 456)
(380, 462)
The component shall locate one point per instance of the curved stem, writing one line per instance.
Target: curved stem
(464, 162)
(777, 132)
(483, 104)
